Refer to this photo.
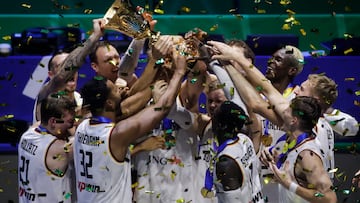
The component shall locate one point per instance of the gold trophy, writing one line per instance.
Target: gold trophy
(124, 18)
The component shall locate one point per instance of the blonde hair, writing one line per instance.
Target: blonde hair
(298, 56)
(325, 88)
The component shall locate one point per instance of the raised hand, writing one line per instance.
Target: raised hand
(159, 89)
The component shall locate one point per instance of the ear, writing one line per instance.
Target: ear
(95, 67)
(292, 71)
(52, 122)
(109, 105)
(295, 119)
(50, 74)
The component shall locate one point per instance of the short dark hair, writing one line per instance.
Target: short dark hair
(228, 120)
(50, 63)
(98, 44)
(308, 110)
(95, 92)
(54, 106)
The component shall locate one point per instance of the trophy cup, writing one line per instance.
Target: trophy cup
(124, 18)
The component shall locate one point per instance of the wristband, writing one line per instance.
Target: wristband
(293, 186)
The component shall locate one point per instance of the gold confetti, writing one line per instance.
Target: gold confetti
(312, 47)
(112, 62)
(267, 179)
(6, 38)
(286, 27)
(285, 2)
(349, 79)
(303, 32)
(348, 36)
(260, 11)
(348, 51)
(28, 40)
(173, 175)
(185, 9)
(214, 27)
(88, 11)
(181, 200)
(134, 185)
(290, 12)
(357, 93)
(334, 170)
(233, 10)
(159, 11)
(26, 5)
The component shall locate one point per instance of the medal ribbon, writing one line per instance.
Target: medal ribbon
(288, 147)
(101, 119)
(209, 176)
(40, 129)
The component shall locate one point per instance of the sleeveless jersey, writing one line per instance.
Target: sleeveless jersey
(169, 175)
(325, 140)
(243, 153)
(205, 155)
(285, 196)
(166, 175)
(99, 177)
(36, 182)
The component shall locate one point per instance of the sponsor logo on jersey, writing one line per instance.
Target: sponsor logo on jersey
(89, 187)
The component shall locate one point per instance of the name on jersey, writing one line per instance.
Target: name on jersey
(270, 126)
(88, 140)
(89, 187)
(247, 155)
(28, 146)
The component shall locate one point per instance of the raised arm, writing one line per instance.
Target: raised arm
(73, 61)
(254, 76)
(251, 97)
(129, 61)
(225, 79)
(128, 130)
(140, 93)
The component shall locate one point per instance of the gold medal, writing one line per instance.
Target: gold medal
(207, 193)
(266, 140)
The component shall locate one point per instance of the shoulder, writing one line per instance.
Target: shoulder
(308, 158)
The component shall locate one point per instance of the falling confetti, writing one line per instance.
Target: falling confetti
(26, 5)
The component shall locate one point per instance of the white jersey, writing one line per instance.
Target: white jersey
(169, 175)
(99, 177)
(285, 196)
(166, 175)
(36, 182)
(205, 155)
(243, 153)
(325, 140)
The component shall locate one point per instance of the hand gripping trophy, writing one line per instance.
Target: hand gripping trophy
(134, 22)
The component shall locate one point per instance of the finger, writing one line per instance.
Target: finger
(286, 165)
